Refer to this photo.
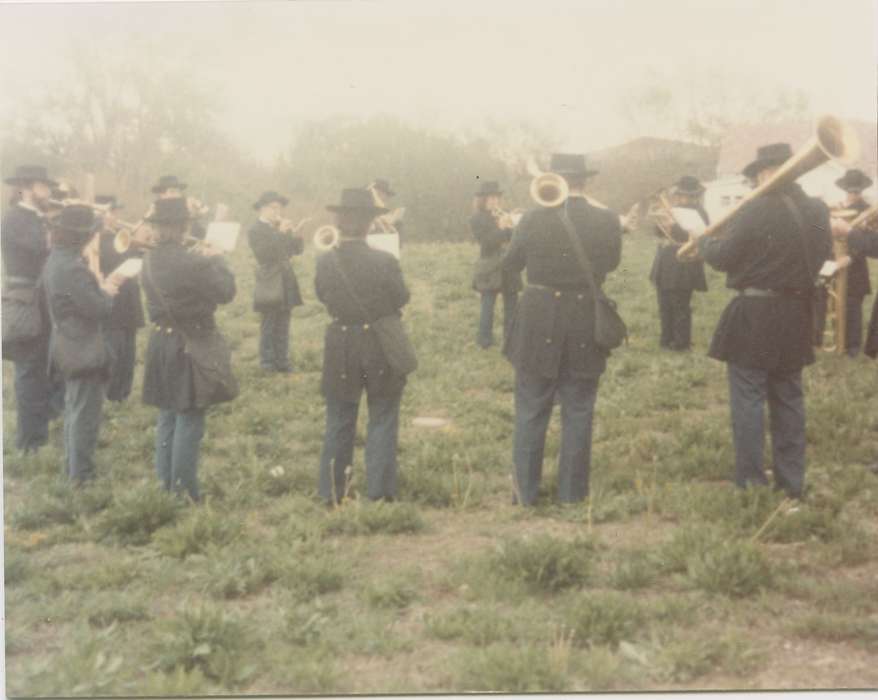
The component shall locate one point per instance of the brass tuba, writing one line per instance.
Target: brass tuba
(833, 139)
(549, 189)
(326, 238)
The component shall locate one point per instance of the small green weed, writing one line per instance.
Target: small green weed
(201, 528)
(359, 518)
(544, 564)
(397, 592)
(605, 618)
(734, 568)
(138, 512)
(635, 569)
(207, 639)
(507, 668)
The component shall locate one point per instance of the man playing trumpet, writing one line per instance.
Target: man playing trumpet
(127, 314)
(276, 293)
(492, 231)
(674, 279)
(771, 255)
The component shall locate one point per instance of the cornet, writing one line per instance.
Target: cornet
(326, 238)
(126, 238)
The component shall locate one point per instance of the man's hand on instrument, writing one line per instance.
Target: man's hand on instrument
(112, 283)
(840, 228)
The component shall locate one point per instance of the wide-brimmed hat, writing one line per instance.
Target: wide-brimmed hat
(173, 210)
(105, 199)
(489, 188)
(77, 218)
(688, 184)
(64, 190)
(570, 164)
(30, 173)
(854, 181)
(750, 171)
(269, 197)
(768, 157)
(357, 199)
(167, 182)
(382, 186)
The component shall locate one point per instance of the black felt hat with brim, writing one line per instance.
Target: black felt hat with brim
(170, 211)
(357, 199)
(769, 156)
(26, 174)
(77, 218)
(168, 182)
(108, 199)
(489, 188)
(570, 165)
(688, 184)
(854, 181)
(269, 198)
(383, 186)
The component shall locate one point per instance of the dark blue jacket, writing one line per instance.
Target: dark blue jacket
(24, 242)
(554, 321)
(273, 248)
(764, 249)
(668, 272)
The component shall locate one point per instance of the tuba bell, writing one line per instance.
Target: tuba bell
(326, 238)
(832, 140)
(549, 189)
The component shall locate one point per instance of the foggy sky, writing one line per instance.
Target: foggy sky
(456, 65)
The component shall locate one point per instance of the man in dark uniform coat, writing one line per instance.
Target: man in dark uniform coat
(383, 192)
(551, 343)
(170, 187)
(859, 287)
(863, 242)
(675, 280)
(771, 254)
(127, 315)
(25, 246)
(273, 246)
(490, 278)
(359, 285)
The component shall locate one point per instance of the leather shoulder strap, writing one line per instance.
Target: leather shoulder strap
(584, 262)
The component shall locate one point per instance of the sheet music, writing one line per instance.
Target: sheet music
(689, 220)
(223, 234)
(129, 269)
(388, 242)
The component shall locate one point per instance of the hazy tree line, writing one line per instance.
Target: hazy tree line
(128, 122)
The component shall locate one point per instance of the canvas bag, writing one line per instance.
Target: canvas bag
(610, 330)
(209, 354)
(392, 337)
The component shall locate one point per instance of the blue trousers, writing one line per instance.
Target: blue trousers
(534, 399)
(274, 340)
(38, 399)
(382, 434)
(123, 342)
(485, 336)
(749, 390)
(83, 404)
(675, 315)
(177, 446)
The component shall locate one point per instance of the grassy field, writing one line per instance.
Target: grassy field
(667, 578)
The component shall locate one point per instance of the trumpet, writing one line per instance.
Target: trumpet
(506, 219)
(126, 238)
(326, 238)
(832, 140)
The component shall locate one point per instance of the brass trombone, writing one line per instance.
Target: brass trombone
(833, 139)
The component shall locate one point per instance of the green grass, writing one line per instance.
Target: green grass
(655, 582)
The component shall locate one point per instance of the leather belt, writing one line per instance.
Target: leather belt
(753, 292)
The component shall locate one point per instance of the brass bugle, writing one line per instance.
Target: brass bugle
(832, 140)
(127, 238)
(326, 238)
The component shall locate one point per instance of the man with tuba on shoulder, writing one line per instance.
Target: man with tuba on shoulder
(127, 315)
(552, 342)
(276, 292)
(771, 254)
